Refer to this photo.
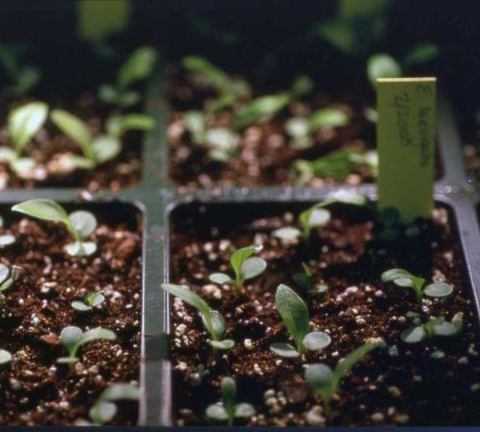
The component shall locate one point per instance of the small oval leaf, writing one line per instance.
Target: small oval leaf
(438, 290)
(316, 341)
(287, 233)
(414, 335)
(253, 267)
(319, 376)
(223, 345)
(5, 356)
(84, 223)
(219, 278)
(284, 350)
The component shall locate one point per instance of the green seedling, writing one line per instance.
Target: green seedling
(137, 67)
(336, 165)
(23, 124)
(435, 327)
(389, 226)
(317, 215)
(294, 314)
(302, 129)
(266, 107)
(306, 281)
(22, 78)
(325, 381)
(230, 89)
(385, 66)
(405, 279)
(105, 409)
(5, 357)
(228, 410)
(103, 148)
(80, 224)
(356, 28)
(73, 338)
(212, 320)
(221, 143)
(5, 239)
(8, 276)
(244, 266)
(91, 301)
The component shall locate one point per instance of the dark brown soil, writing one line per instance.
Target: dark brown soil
(398, 385)
(34, 389)
(50, 144)
(265, 156)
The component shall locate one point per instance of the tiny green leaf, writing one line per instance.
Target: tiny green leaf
(137, 67)
(284, 350)
(244, 410)
(253, 267)
(414, 335)
(97, 334)
(189, 297)
(81, 249)
(420, 54)
(346, 196)
(5, 356)
(438, 290)
(223, 345)
(120, 391)
(70, 337)
(105, 148)
(259, 108)
(217, 412)
(75, 128)
(294, 314)
(43, 209)
(327, 117)
(83, 222)
(81, 306)
(316, 341)
(287, 233)
(382, 66)
(220, 278)
(24, 122)
(102, 412)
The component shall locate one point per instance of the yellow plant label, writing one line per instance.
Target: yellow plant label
(406, 136)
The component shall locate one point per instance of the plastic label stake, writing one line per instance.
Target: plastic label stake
(406, 136)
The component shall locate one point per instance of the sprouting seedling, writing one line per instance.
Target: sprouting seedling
(221, 143)
(5, 356)
(385, 66)
(325, 381)
(136, 68)
(105, 409)
(22, 77)
(212, 320)
(103, 148)
(80, 224)
(390, 226)
(294, 313)
(317, 215)
(73, 338)
(405, 279)
(5, 239)
(435, 327)
(8, 276)
(335, 165)
(265, 107)
(23, 124)
(91, 301)
(228, 410)
(229, 88)
(301, 129)
(306, 281)
(244, 266)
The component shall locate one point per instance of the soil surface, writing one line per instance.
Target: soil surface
(265, 155)
(401, 384)
(34, 389)
(50, 144)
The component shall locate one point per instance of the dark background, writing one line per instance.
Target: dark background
(267, 39)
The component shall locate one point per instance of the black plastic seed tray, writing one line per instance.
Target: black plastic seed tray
(156, 197)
